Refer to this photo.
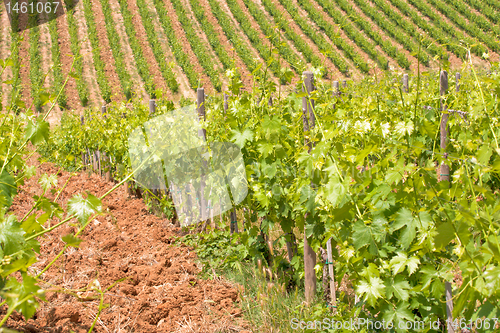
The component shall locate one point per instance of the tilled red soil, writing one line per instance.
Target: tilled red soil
(161, 293)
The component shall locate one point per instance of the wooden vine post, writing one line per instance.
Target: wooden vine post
(106, 159)
(84, 156)
(444, 174)
(202, 133)
(405, 83)
(333, 297)
(457, 81)
(309, 254)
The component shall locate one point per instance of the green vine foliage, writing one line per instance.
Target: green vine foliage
(369, 183)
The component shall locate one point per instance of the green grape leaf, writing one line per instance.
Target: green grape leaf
(240, 138)
(372, 289)
(37, 132)
(8, 189)
(11, 235)
(84, 208)
(401, 261)
(398, 287)
(400, 314)
(15, 293)
(72, 240)
(445, 233)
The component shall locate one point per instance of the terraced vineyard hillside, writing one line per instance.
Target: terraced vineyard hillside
(140, 47)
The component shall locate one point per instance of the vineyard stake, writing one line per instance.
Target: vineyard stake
(457, 83)
(333, 298)
(405, 83)
(445, 175)
(443, 87)
(309, 254)
(232, 215)
(200, 103)
(84, 158)
(152, 106)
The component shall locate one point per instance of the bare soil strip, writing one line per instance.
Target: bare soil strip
(154, 69)
(184, 88)
(160, 292)
(89, 72)
(5, 41)
(66, 61)
(128, 56)
(106, 54)
(181, 36)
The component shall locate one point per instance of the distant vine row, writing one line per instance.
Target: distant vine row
(479, 20)
(35, 74)
(254, 37)
(435, 33)
(81, 86)
(386, 45)
(152, 35)
(323, 44)
(411, 29)
(197, 45)
(470, 27)
(99, 65)
(140, 60)
(275, 38)
(116, 49)
(488, 8)
(57, 64)
(239, 45)
(175, 44)
(211, 34)
(298, 41)
(332, 33)
(448, 28)
(395, 32)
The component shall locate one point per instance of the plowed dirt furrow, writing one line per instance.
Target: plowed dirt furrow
(5, 40)
(106, 54)
(157, 289)
(127, 51)
(89, 72)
